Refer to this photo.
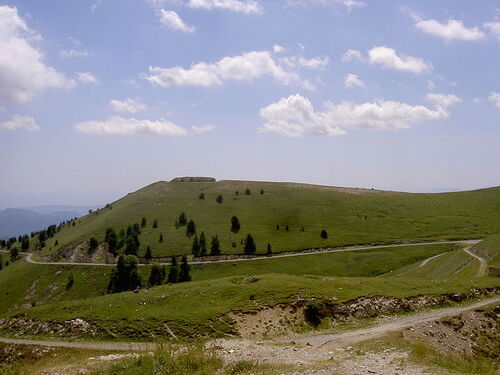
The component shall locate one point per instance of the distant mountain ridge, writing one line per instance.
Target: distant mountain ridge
(18, 221)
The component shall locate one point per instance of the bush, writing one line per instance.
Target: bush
(219, 199)
(70, 281)
(312, 314)
(324, 234)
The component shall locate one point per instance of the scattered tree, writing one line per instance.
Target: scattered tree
(70, 281)
(324, 234)
(261, 191)
(269, 249)
(160, 240)
(93, 243)
(157, 275)
(155, 223)
(277, 227)
(148, 255)
(14, 254)
(173, 272)
(247, 191)
(286, 228)
(215, 246)
(250, 247)
(124, 276)
(203, 244)
(132, 244)
(196, 246)
(1, 262)
(25, 243)
(235, 224)
(190, 228)
(143, 222)
(184, 271)
(236, 193)
(182, 220)
(201, 196)
(219, 199)
(111, 239)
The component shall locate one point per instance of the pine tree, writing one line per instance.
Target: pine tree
(269, 249)
(201, 196)
(173, 272)
(247, 191)
(324, 234)
(70, 281)
(261, 191)
(196, 247)
(25, 243)
(215, 246)
(182, 219)
(160, 240)
(235, 224)
(1, 262)
(132, 244)
(203, 244)
(92, 245)
(143, 222)
(124, 276)
(250, 247)
(111, 239)
(155, 223)
(148, 255)
(190, 228)
(184, 271)
(286, 228)
(14, 254)
(157, 275)
(219, 199)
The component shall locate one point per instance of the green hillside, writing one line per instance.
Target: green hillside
(490, 249)
(350, 216)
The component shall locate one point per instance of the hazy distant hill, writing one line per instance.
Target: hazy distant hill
(16, 221)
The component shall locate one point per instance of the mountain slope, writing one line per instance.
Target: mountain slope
(350, 216)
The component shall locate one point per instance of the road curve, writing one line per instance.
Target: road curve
(483, 265)
(29, 256)
(318, 341)
(329, 341)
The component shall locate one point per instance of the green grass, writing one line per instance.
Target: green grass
(349, 216)
(490, 249)
(197, 308)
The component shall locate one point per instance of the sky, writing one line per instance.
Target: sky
(99, 98)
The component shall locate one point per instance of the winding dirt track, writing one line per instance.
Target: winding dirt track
(29, 256)
(483, 265)
(317, 341)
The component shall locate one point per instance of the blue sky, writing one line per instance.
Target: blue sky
(99, 98)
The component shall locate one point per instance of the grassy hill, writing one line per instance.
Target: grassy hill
(350, 216)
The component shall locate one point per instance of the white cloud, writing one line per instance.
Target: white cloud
(278, 49)
(87, 77)
(127, 106)
(452, 30)
(443, 100)
(172, 20)
(352, 54)
(68, 53)
(23, 74)
(295, 116)
(127, 126)
(388, 58)
(431, 85)
(493, 28)
(202, 129)
(314, 63)
(349, 4)
(238, 6)
(20, 123)
(352, 80)
(494, 98)
(245, 67)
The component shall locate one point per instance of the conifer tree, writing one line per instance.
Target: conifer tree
(1, 262)
(250, 247)
(157, 275)
(155, 223)
(247, 191)
(190, 228)
(92, 245)
(219, 199)
(203, 244)
(324, 234)
(182, 219)
(173, 272)
(201, 196)
(235, 224)
(215, 246)
(269, 249)
(148, 255)
(160, 240)
(184, 271)
(196, 247)
(143, 222)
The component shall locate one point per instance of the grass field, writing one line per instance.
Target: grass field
(350, 216)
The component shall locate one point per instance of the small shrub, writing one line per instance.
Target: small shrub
(324, 234)
(312, 314)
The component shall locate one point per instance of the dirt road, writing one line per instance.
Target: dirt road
(483, 265)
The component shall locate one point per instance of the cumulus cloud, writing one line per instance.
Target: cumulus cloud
(202, 129)
(245, 67)
(127, 106)
(238, 6)
(443, 100)
(172, 20)
(493, 28)
(314, 63)
(295, 116)
(388, 58)
(494, 98)
(452, 30)
(127, 126)
(349, 4)
(69, 53)
(23, 74)
(352, 80)
(18, 122)
(278, 49)
(87, 77)
(352, 54)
